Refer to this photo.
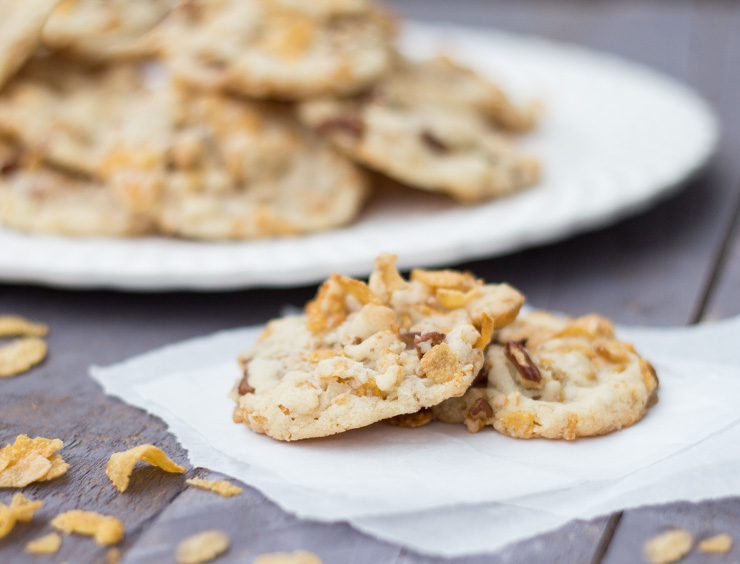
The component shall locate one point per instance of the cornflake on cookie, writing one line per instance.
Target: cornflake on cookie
(362, 352)
(282, 49)
(558, 378)
(415, 128)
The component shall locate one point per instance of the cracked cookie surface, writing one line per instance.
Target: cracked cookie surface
(415, 128)
(362, 353)
(558, 378)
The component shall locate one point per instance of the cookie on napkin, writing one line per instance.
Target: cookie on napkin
(555, 377)
(365, 352)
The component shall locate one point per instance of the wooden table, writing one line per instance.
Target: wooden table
(675, 265)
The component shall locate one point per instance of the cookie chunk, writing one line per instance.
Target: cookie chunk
(282, 49)
(20, 32)
(365, 352)
(39, 199)
(66, 113)
(435, 126)
(557, 378)
(105, 30)
(233, 169)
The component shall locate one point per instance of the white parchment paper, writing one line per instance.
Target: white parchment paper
(482, 490)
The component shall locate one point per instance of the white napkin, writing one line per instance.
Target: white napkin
(482, 490)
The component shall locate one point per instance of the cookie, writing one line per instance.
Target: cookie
(106, 30)
(432, 125)
(365, 352)
(39, 199)
(65, 113)
(283, 49)
(236, 169)
(20, 32)
(558, 378)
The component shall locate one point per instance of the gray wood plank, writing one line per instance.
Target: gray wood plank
(256, 526)
(716, 38)
(58, 400)
(701, 520)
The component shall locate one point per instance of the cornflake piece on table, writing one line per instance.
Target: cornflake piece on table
(222, 487)
(668, 547)
(718, 544)
(202, 547)
(21, 355)
(17, 326)
(48, 544)
(121, 464)
(20, 509)
(296, 557)
(103, 528)
(30, 460)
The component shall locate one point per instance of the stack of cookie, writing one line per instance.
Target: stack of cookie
(232, 119)
(442, 345)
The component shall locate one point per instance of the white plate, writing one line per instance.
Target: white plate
(616, 138)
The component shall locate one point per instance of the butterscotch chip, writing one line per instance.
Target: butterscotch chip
(17, 326)
(121, 464)
(222, 487)
(48, 544)
(669, 546)
(346, 364)
(103, 528)
(113, 556)
(202, 547)
(21, 355)
(717, 544)
(20, 509)
(296, 557)
(548, 376)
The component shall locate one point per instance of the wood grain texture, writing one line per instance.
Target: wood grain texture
(701, 520)
(257, 526)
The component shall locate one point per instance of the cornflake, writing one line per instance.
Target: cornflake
(48, 544)
(669, 546)
(718, 544)
(21, 509)
(30, 460)
(21, 355)
(296, 557)
(202, 547)
(17, 326)
(103, 528)
(226, 489)
(121, 464)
